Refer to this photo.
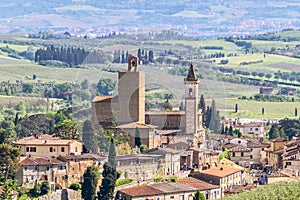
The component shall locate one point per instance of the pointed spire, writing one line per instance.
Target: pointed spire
(191, 75)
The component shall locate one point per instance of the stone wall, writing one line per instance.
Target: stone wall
(65, 194)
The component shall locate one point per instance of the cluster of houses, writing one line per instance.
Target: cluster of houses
(61, 162)
(177, 146)
(49, 158)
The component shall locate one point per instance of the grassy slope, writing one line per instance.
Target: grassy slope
(224, 93)
(283, 190)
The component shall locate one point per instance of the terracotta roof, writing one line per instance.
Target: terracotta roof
(168, 132)
(221, 171)
(173, 187)
(278, 140)
(219, 136)
(30, 161)
(142, 190)
(101, 98)
(236, 147)
(43, 139)
(201, 185)
(161, 151)
(136, 124)
(250, 125)
(166, 112)
(239, 148)
(292, 142)
(256, 145)
(86, 156)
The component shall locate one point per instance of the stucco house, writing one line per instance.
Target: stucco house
(225, 177)
(34, 170)
(210, 191)
(44, 145)
(158, 191)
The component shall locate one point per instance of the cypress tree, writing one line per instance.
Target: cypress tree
(110, 175)
(226, 130)
(88, 136)
(222, 129)
(230, 131)
(137, 138)
(90, 181)
(236, 107)
(198, 196)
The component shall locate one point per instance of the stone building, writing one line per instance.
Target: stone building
(128, 109)
(225, 177)
(291, 158)
(35, 170)
(170, 159)
(210, 191)
(140, 167)
(77, 165)
(47, 146)
(161, 191)
(129, 105)
(273, 158)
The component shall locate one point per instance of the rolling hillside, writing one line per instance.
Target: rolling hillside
(189, 17)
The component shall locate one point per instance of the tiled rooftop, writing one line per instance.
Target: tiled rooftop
(43, 139)
(82, 157)
(30, 161)
(201, 185)
(221, 171)
(140, 191)
(173, 187)
(101, 98)
(136, 124)
(167, 112)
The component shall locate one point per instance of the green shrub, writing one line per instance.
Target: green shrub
(159, 179)
(173, 179)
(123, 182)
(75, 186)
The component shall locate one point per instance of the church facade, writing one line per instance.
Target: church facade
(128, 110)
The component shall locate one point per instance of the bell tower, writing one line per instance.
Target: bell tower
(191, 102)
(131, 88)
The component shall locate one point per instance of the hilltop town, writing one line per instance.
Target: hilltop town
(167, 153)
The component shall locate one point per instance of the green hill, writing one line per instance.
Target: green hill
(284, 190)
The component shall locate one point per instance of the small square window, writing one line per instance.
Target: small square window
(63, 149)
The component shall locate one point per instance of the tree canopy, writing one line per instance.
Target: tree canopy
(105, 86)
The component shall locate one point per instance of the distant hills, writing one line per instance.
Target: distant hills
(189, 17)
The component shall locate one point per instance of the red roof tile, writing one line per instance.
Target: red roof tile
(101, 98)
(142, 190)
(30, 161)
(221, 171)
(201, 185)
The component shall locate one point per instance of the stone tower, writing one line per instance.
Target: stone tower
(131, 87)
(191, 103)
